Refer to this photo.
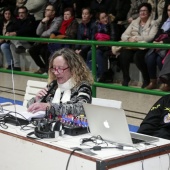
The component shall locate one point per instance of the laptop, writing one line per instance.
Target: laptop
(111, 124)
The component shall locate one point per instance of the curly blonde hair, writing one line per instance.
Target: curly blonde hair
(79, 70)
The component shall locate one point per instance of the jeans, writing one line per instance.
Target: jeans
(99, 61)
(5, 48)
(152, 61)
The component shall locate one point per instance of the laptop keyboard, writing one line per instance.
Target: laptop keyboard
(135, 141)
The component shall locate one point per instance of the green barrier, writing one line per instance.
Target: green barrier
(93, 44)
(23, 73)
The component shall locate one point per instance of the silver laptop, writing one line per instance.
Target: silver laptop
(111, 124)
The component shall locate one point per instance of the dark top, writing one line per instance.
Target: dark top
(85, 32)
(157, 121)
(121, 10)
(106, 5)
(10, 27)
(26, 27)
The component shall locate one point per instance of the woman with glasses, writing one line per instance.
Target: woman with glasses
(73, 87)
(143, 29)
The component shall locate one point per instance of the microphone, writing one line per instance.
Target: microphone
(51, 86)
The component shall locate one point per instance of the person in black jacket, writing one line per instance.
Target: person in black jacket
(85, 32)
(26, 27)
(157, 121)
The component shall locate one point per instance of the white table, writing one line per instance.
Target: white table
(21, 153)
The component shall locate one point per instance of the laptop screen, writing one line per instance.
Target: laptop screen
(111, 124)
(108, 122)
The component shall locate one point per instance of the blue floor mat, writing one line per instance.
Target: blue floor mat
(133, 128)
(2, 100)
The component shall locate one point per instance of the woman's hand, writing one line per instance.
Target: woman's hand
(35, 107)
(130, 20)
(132, 39)
(41, 94)
(158, 42)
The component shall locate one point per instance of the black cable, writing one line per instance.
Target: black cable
(142, 157)
(75, 149)
(3, 125)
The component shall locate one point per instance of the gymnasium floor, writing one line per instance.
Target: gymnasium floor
(135, 105)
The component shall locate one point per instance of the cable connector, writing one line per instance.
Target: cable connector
(76, 149)
(97, 148)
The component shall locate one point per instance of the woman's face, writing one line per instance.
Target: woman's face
(67, 15)
(103, 18)
(61, 70)
(86, 16)
(144, 13)
(7, 15)
(168, 11)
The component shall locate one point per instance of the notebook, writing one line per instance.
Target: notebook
(111, 124)
(21, 112)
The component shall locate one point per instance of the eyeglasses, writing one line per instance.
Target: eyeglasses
(168, 10)
(58, 70)
(21, 12)
(143, 11)
(49, 10)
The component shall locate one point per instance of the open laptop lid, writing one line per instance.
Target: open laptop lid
(108, 122)
(111, 124)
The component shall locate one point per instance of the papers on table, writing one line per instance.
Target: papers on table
(21, 112)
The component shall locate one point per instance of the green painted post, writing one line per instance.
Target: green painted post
(94, 69)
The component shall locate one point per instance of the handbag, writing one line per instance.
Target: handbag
(161, 37)
(117, 49)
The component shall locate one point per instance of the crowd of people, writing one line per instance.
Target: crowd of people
(100, 20)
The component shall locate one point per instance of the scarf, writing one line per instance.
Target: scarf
(64, 88)
(64, 26)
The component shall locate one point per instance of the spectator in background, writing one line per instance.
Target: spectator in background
(7, 3)
(154, 57)
(104, 31)
(36, 8)
(157, 9)
(133, 12)
(79, 5)
(7, 25)
(105, 5)
(25, 26)
(142, 29)
(164, 15)
(85, 32)
(39, 51)
(120, 15)
(58, 5)
(68, 30)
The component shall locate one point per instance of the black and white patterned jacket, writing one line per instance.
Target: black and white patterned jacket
(79, 95)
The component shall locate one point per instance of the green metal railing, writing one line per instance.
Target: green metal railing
(93, 44)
